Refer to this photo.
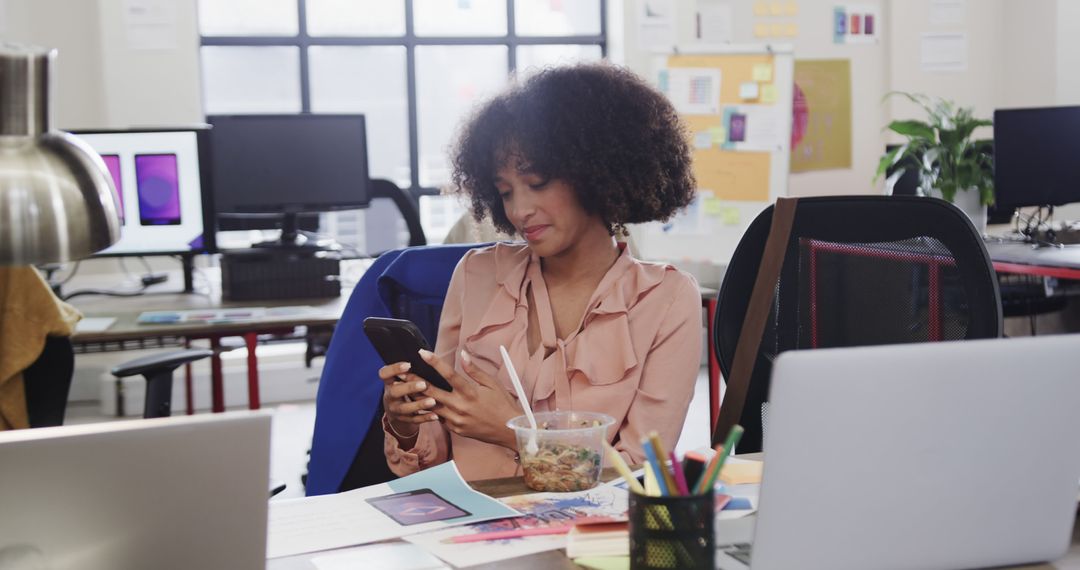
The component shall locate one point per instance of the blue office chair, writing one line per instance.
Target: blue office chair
(347, 448)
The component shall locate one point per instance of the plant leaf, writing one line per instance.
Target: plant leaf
(914, 129)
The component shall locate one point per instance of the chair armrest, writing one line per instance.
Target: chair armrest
(165, 361)
(385, 189)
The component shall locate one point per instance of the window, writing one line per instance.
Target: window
(415, 68)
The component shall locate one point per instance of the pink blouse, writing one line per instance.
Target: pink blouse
(635, 358)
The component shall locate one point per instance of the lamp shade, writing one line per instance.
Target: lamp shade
(57, 200)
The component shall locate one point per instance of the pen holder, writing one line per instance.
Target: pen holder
(672, 532)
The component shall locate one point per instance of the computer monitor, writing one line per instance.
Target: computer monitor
(1037, 156)
(286, 165)
(163, 184)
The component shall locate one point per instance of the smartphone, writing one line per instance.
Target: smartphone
(417, 507)
(157, 184)
(398, 340)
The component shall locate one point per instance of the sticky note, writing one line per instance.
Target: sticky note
(768, 93)
(748, 90)
(762, 72)
(776, 9)
(791, 9)
(712, 207)
(777, 29)
(790, 30)
(761, 30)
(730, 216)
(742, 473)
(718, 134)
(703, 140)
(761, 9)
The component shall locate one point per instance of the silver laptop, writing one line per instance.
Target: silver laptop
(186, 492)
(941, 455)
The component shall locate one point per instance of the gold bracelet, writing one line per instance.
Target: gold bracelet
(390, 424)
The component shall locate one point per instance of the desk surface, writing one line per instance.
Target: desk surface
(1015, 257)
(556, 559)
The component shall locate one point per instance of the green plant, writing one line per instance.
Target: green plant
(942, 150)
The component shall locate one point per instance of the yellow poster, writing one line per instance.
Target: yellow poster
(821, 116)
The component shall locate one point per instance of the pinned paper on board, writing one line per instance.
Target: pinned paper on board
(762, 72)
(716, 21)
(768, 93)
(791, 9)
(752, 127)
(748, 90)
(821, 118)
(856, 24)
(703, 140)
(692, 90)
(761, 30)
(718, 135)
(761, 9)
(656, 25)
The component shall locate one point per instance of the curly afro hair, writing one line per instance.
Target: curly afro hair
(617, 141)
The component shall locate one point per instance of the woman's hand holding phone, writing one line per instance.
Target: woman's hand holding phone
(478, 407)
(404, 401)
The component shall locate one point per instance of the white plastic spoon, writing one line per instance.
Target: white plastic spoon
(531, 448)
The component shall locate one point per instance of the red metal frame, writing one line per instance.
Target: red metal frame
(933, 262)
(1040, 270)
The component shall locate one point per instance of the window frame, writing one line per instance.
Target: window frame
(410, 41)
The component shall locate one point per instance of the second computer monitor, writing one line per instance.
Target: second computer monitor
(161, 182)
(1037, 156)
(288, 164)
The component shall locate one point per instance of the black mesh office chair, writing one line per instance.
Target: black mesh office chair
(859, 270)
(48, 380)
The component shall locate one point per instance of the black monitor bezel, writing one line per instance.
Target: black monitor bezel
(302, 208)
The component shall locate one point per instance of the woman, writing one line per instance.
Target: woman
(564, 160)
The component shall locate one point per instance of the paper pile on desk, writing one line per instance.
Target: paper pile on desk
(539, 510)
(434, 498)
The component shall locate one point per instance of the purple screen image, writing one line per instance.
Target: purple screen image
(416, 507)
(158, 187)
(112, 161)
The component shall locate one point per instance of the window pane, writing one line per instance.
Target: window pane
(438, 214)
(251, 79)
(451, 80)
(460, 17)
(533, 58)
(557, 17)
(248, 17)
(356, 17)
(342, 82)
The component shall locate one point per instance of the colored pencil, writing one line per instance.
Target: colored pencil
(655, 465)
(620, 466)
(680, 478)
(708, 480)
(662, 455)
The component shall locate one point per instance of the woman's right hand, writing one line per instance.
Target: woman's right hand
(404, 402)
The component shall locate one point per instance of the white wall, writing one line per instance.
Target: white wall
(100, 81)
(151, 87)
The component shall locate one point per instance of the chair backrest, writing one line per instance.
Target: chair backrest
(859, 270)
(47, 382)
(346, 449)
(381, 223)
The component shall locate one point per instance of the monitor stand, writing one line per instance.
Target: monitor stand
(292, 238)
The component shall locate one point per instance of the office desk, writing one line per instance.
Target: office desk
(1015, 257)
(556, 559)
(126, 329)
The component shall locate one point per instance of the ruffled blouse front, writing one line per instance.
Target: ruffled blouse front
(635, 356)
